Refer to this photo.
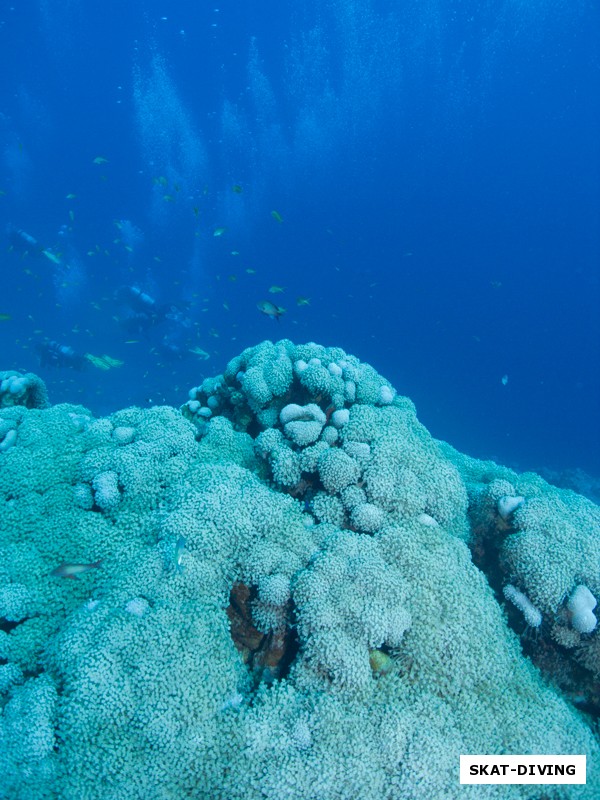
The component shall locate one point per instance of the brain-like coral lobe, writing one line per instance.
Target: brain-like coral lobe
(17, 389)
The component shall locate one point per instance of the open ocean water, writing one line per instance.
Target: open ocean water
(421, 180)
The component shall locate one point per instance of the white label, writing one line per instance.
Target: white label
(522, 769)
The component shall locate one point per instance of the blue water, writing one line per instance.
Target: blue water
(435, 166)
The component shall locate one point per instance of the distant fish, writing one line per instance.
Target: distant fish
(198, 351)
(504, 380)
(237, 188)
(51, 256)
(70, 196)
(276, 289)
(302, 301)
(73, 571)
(100, 160)
(270, 309)
(276, 216)
(219, 231)
(5, 317)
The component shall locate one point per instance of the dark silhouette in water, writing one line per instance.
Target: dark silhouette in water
(54, 354)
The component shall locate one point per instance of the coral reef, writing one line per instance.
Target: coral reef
(26, 390)
(540, 547)
(296, 593)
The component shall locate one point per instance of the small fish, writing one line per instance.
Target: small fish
(276, 216)
(219, 231)
(196, 210)
(70, 196)
(160, 181)
(5, 317)
(198, 351)
(504, 380)
(251, 271)
(302, 301)
(179, 550)
(100, 160)
(132, 341)
(270, 309)
(71, 216)
(51, 256)
(73, 571)
(276, 289)
(168, 198)
(237, 188)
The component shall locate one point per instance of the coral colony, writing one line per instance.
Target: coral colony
(286, 589)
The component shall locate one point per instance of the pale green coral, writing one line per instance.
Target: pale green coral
(337, 470)
(225, 648)
(349, 601)
(46, 521)
(546, 544)
(327, 508)
(18, 389)
(28, 739)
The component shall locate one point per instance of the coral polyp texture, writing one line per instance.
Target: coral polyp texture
(26, 390)
(285, 589)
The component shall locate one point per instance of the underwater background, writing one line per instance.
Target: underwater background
(421, 179)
